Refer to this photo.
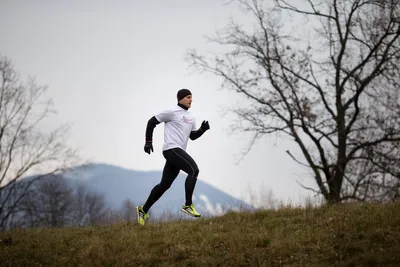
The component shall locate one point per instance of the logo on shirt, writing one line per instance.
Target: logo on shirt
(187, 120)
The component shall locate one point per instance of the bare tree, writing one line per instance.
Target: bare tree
(58, 202)
(326, 75)
(89, 207)
(378, 175)
(25, 148)
(49, 203)
(128, 212)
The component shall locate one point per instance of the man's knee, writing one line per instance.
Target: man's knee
(195, 172)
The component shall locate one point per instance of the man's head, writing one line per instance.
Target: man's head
(184, 97)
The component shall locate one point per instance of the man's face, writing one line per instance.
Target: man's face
(186, 101)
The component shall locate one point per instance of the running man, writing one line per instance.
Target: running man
(179, 126)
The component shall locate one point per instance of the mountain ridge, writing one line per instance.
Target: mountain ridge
(119, 184)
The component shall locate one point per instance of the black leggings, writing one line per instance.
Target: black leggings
(176, 159)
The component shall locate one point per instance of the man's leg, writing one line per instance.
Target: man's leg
(170, 172)
(185, 162)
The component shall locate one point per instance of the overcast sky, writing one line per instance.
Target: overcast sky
(110, 65)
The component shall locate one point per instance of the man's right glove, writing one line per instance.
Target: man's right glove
(148, 147)
(205, 126)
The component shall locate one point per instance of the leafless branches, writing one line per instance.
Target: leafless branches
(25, 149)
(331, 85)
(58, 202)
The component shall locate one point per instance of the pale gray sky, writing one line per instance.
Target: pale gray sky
(134, 51)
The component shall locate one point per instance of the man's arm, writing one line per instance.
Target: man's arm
(199, 132)
(196, 134)
(151, 124)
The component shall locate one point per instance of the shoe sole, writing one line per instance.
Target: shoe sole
(185, 211)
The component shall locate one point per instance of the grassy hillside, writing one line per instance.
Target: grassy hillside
(346, 235)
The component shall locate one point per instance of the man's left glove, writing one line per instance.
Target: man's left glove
(148, 147)
(205, 126)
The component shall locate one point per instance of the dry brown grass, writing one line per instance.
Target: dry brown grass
(343, 235)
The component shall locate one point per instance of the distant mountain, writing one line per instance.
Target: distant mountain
(118, 184)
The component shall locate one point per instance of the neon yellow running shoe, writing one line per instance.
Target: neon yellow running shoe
(190, 210)
(141, 215)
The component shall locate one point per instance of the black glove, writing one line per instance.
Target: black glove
(205, 126)
(148, 147)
